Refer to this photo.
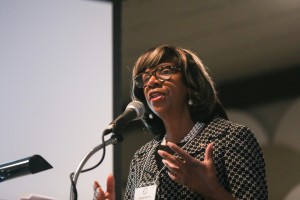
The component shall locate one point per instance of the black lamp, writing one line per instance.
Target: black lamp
(29, 165)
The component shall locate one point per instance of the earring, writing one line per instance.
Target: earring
(150, 116)
(190, 102)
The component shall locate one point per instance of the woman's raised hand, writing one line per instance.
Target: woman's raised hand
(199, 176)
(99, 194)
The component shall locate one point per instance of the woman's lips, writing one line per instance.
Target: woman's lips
(156, 96)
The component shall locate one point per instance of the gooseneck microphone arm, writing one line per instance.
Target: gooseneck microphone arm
(134, 111)
(114, 139)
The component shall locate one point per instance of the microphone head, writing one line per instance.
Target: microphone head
(138, 107)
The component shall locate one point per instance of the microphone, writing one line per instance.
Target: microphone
(29, 165)
(135, 110)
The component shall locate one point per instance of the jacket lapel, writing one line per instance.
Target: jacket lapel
(150, 171)
(214, 130)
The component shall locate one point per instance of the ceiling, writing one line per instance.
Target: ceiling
(235, 39)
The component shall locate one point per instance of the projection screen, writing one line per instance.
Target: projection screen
(56, 91)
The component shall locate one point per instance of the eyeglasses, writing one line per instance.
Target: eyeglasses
(162, 74)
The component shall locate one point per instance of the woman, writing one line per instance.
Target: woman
(198, 153)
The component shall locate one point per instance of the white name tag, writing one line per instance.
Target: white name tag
(145, 193)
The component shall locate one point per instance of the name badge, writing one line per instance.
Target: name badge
(145, 193)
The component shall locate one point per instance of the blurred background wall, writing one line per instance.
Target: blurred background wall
(252, 50)
(54, 58)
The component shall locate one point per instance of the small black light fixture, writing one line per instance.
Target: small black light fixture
(29, 165)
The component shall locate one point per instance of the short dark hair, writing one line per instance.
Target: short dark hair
(195, 76)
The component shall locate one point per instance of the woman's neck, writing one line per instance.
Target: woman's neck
(177, 127)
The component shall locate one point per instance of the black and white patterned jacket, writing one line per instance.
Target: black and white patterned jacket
(238, 160)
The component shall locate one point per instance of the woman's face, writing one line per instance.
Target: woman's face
(165, 97)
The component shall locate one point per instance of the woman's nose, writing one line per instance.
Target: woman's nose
(153, 82)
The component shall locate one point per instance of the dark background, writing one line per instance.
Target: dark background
(251, 48)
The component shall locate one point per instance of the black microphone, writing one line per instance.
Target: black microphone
(29, 165)
(135, 110)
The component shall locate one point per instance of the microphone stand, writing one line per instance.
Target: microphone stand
(115, 138)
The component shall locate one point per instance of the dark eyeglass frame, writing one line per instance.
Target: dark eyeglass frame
(139, 80)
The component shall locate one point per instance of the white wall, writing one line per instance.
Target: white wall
(55, 90)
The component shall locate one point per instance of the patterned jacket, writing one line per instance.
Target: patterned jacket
(238, 160)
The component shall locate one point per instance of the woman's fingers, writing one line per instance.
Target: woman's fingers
(182, 164)
(98, 192)
(189, 171)
(96, 185)
(180, 159)
(110, 184)
(209, 152)
(180, 152)
(176, 165)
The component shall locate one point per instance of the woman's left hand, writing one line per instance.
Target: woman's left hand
(199, 176)
(99, 194)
